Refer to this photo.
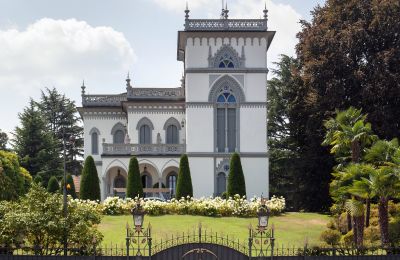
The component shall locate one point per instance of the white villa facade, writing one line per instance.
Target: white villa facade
(220, 108)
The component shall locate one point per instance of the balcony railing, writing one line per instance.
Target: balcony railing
(103, 100)
(155, 93)
(143, 149)
(226, 25)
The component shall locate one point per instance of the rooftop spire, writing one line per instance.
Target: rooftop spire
(226, 11)
(265, 11)
(128, 80)
(187, 11)
(83, 87)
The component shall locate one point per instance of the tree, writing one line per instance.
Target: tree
(71, 186)
(63, 121)
(14, 180)
(134, 187)
(34, 145)
(184, 186)
(53, 185)
(90, 186)
(236, 182)
(3, 140)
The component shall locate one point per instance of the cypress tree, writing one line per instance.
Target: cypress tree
(184, 186)
(134, 187)
(53, 186)
(70, 186)
(236, 183)
(90, 184)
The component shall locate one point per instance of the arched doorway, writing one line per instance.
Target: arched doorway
(172, 180)
(116, 182)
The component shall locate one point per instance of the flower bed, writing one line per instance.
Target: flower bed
(215, 207)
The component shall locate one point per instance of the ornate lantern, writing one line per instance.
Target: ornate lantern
(263, 215)
(138, 216)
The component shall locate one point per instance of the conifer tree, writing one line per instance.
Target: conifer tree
(236, 183)
(70, 186)
(134, 187)
(184, 186)
(53, 186)
(90, 184)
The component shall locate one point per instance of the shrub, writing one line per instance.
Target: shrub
(70, 186)
(90, 186)
(347, 239)
(53, 186)
(38, 180)
(184, 186)
(134, 187)
(372, 235)
(37, 220)
(331, 237)
(12, 180)
(394, 232)
(236, 182)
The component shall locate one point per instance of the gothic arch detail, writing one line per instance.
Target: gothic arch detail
(116, 127)
(228, 55)
(144, 121)
(226, 82)
(94, 130)
(172, 121)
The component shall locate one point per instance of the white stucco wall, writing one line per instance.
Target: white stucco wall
(253, 129)
(199, 129)
(202, 172)
(256, 176)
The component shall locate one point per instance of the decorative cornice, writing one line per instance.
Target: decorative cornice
(226, 70)
(257, 25)
(212, 104)
(224, 155)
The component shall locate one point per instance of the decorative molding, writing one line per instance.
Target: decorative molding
(256, 25)
(212, 78)
(156, 93)
(226, 70)
(143, 149)
(226, 51)
(212, 104)
(144, 121)
(226, 81)
(94, 130)
(239, 78)
(103, 100)
(172, 121)
(219, 155)
(118, 126)
(221, 166)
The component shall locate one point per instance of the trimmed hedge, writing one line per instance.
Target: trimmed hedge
(90, 184)
(184, 186)
(134, 187)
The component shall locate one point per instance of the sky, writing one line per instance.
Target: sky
(48, 43)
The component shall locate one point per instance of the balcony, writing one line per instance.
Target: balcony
(143, 149)
(257, 25)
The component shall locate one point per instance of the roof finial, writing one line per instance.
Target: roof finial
(187, 11)
(222, 10)
(265, 11)
(128, 80)
(226, 11)
(83, 87)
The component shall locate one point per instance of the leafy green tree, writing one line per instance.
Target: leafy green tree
(34, 145)
(236, 182)
(38, 220)
(38, 180)
(184, 186)
(53, 185)
(3, 140)
(62, 119)
(90, 184)
(134, 187)
(12, 177)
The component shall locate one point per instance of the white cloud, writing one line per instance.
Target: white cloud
(57, 53)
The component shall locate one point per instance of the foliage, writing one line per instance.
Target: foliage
(14, 180)
(53, 185)
(38, 180)
(215, 207)
(90, 184)
(63, 122)
(70, 186)
(3, 140)
(331, 237)
(34, 144)
(134, 187)
(394, 231)
(38, 220)
(184, 186)
(236, 182)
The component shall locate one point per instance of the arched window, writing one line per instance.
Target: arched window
(172, 179)
(144, 135)
(172, 134)
(226, 61)
(94, 133)
(227, 94)
(145, 128)
(221, 183)
(119, 137)
(226, 57)
(226, 121)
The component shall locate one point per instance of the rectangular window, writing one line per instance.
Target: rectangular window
(231, 129)
(221, 129)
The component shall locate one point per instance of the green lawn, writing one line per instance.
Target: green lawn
(291, 229)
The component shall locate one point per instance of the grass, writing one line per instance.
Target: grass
(291, 229)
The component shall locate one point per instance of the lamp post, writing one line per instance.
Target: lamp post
(65, 204)
(138, 216)
(263, 215)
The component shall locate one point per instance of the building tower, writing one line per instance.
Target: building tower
(225, 63)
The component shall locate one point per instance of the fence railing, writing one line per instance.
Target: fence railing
(143, 149)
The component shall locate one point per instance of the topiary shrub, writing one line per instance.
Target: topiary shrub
(53, 186)
(134, 187)
(331, 237)
(90, 186)
(236, 182)
(184, 186)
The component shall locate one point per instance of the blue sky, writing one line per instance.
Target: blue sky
(46, 43)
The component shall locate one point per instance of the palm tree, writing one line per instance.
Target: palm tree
(383, 183)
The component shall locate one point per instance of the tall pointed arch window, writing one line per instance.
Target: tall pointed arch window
(145, 128)
(172, 128)
(226, 120)
(118, 132)
(94, 136)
